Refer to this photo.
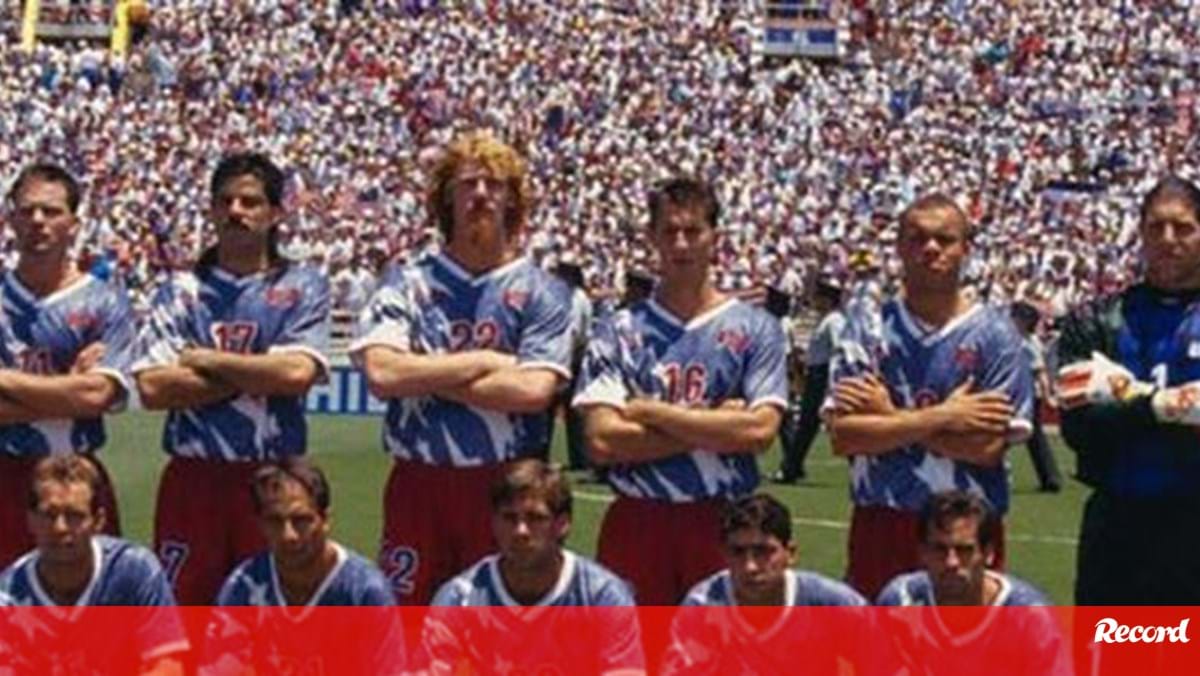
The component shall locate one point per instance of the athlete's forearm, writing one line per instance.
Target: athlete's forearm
(977, 448)
(14, 413)
(721, 430)
(392, 374)
(176, 387)
(876, 434)
(84, 395)
(261, 375)
(509, 390)
(613, 439)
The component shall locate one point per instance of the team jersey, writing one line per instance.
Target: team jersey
(820, 622)
(80, 640)
(285, 309)
(1015, 635)
(921, 367)
(44, 336)
(1156, 336)
(434, 306)
(734, 351)
(586, 623)
(304, 635)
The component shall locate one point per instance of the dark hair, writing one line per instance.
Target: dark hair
(268, 174)
(534, 477)
(684, 191)
(937, 202)
(49, 173)
(943, 508)
(65, 468)
(270, 477)
(760, 512)
(1176, 187)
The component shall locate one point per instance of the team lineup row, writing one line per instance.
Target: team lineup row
(469, 348)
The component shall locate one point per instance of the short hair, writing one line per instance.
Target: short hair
(684, 191)
(49, 173)
(270, 477)
(66, 468)
(943, 508)
(1173, 187)
(543, 480)
(500, 160)
(252, 164)
(760, 512)
(937, 202)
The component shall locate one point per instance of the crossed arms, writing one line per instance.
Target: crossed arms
(203, 376)
(80, 393)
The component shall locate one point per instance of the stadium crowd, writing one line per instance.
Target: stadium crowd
(992, 102)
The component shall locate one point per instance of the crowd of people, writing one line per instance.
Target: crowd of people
(1046, 118)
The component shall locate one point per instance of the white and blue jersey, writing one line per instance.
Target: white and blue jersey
(586, 623)
(123, 574)
(45, 335)
(921, 367)
(434, 306)
(284, 309)
(734, 351)
(916, 589)
(801, 588)
(302, 637)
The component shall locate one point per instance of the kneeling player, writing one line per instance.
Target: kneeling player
(74, 566)
(304, 569)
(957, 533)
(756, 539)
(531, 516)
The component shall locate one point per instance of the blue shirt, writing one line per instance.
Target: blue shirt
(734, 351)
(285, 309)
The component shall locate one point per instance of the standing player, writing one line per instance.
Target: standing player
(230, 350)
(757, 629)
(531, 585)
(957, 534)
(75, 567)
(66, 334)
(931, 389)
(303, 570)
(679, 392)
(1131, 394)
(469, 348)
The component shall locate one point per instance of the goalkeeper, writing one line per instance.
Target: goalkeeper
(1130, 392)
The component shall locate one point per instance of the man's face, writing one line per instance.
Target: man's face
(242, 211)
(480, 204)
(1171, 241)
(956, 561)
(932, 245)
(684, 239)
(757, 564)
(528, 534)
(43, 222)
(295, 531)
(63, 522)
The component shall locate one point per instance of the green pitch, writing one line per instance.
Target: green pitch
(1042, 528)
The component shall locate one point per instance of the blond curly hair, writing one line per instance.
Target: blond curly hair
(500, 160)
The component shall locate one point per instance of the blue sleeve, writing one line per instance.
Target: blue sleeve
(546, 337)
(118, 335)
(765, 379)
(161, 631)
(306, 329)
(166, 331)
(389, 319)
(601, 376)
(1007, 368)
(892, 594)
(854, 354)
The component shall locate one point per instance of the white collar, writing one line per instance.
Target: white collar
(85, 598)
(313, 600)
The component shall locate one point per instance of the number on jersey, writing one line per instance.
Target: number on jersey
(686, 385)
(37, 360)
(235, 336)
(481, 335)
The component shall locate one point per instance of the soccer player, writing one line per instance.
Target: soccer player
(468, 347)
(756, 537)
(65, 335)
(930, 389)
(1130, 389)
(679, 393)
(230, 349)
(529, 584)
(304, 569)
(74, 566)
(957, 533)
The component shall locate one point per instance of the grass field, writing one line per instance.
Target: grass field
(1042, 528)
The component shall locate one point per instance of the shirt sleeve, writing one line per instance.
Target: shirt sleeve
(166, 331)
(118, 335)
(1007, 369)
(161, 630)
(306, 329)
(389, 320)
(854, 354)
(765, 378)
(601, 379)
(546, 338)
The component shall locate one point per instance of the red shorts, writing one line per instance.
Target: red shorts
(205, 525)
(883, 544)
(661, 548)
(436, 524)
(15, 475)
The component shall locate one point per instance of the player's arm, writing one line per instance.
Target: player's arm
(177, 387)
(392, 373)
(983, 449)
(511, 389)
(613, 439)
(728, 429)
(13, 412)
(76, 395)
(262, 375)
